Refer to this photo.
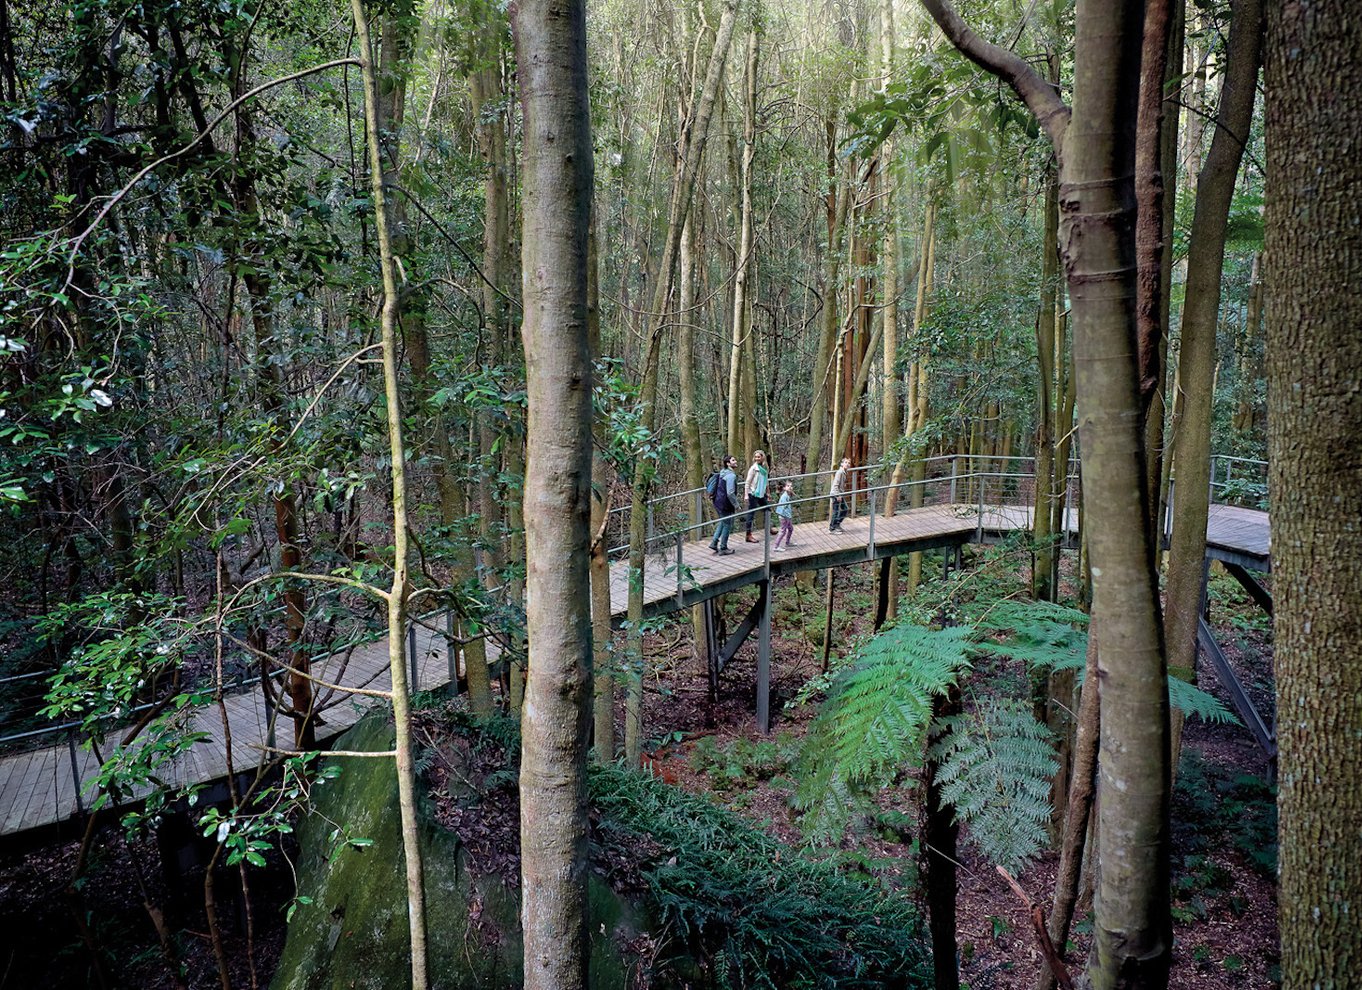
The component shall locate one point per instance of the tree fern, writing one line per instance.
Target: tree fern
(875, 719)
(994, 765)
(1043, 635)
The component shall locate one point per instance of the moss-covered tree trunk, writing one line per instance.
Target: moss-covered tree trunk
(1313, 254)
(556, 717)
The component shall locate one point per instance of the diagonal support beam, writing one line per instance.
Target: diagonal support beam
(1238, 697)
(750, 622)
(1250, 584)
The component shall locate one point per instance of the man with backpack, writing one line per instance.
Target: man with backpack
(723, 489)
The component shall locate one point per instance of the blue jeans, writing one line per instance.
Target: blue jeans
(839, 511)
(721, 533)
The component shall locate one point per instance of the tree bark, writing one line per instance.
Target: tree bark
(742, 310)
(1096, 150)
(1078, 811)
(1200, 319)
(1313, 254)
(556, 720)
(679, 209)
(397, 594)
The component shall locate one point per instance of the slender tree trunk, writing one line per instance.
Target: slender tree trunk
(742, 310)
(1133, 932)
(1200, 319)
(602, 476)
(1078, 811)
(1042, 574)
(397, 594)
(551, 59)
(696, 137)
(1313, 253)
(939, 837)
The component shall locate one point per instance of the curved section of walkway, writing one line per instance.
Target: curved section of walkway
(38, 789)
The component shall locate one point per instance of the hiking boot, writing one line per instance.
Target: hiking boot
(725, 552)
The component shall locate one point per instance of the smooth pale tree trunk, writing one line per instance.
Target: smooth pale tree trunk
(891, 395)
(1095, 145)
(397, 594)
(551, 65)
(838, 200)
(1313, 254)
(1078, 811)
(1042, 586)
(919, 390)
(1198, 357)
(602, 476)
(1133, 931)
(679, 209)
(690, 426)
(742, 310)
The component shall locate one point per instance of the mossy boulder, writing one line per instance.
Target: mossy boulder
(697, 897)
(354, 932)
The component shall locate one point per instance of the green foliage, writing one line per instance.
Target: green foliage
(994, 766)
(874, 721)
(758, 913)
(742, 761)
(1043, 636)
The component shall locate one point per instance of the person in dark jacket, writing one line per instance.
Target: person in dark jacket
(725, 503)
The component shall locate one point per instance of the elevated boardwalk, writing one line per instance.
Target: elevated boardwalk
(38, 789)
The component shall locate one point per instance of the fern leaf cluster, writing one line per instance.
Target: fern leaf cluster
(1046, 636)
(874, 721)
(994, 766)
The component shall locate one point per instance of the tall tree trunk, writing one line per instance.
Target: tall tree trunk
(273, 395)
(1313, 254)
(1200, 319)
(742, 309)
(397, 594)
(555, 727)
(1096, 149)
(679, 209)
(602, 477)
(837, 200)
(1078, 810)
(1042, 586)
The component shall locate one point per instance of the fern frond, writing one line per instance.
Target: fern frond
(994, 766)
(1043, 635)
(875, 719)
(1196, 703)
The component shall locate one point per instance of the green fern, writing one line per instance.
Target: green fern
(874, 721)
(994, 766)
(1043, 636)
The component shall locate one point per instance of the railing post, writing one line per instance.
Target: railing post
(75, 771)
(766, 543)
(955, 474)
(870, 546)
(699, 516)
(680, 583)
(980, 535)
(451, 654)
(415, 684)
(650, 520)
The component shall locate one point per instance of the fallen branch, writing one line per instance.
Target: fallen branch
(1042, 935)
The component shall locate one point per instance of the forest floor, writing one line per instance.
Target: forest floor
(1224, 818)
(1223, 828)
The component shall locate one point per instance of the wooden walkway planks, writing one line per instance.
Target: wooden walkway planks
(37, 788)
